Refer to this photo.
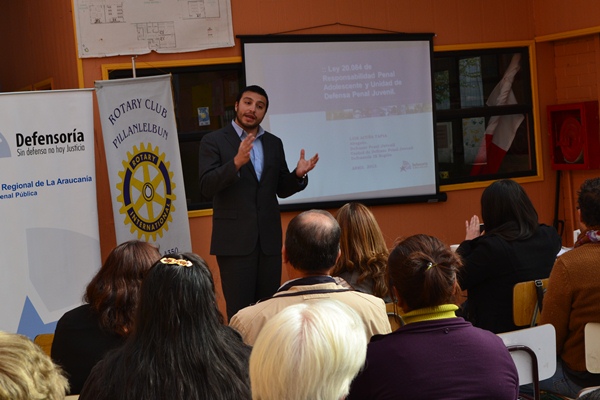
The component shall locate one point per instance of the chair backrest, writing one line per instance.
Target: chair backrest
(592, 347)
(394, 313)
(44, 340)
(525, 302)
(533, 351)
(542, 341)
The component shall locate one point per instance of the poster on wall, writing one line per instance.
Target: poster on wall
(49, 239)
(144, 164)
(139, 27)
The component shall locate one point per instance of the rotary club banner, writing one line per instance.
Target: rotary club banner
(49, 237)
(144, 165)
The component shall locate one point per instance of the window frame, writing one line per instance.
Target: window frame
(469, 50)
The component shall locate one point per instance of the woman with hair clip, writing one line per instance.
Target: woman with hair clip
(84, 334)
(435, 355)
(363, 251)
(179, 348)
(514, 248)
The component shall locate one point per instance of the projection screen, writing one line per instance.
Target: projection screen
(362, 102)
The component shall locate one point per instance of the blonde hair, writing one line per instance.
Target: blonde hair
(308, 351)
(26, 372)
(363, 247)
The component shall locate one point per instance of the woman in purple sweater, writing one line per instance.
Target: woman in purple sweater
(435, 354)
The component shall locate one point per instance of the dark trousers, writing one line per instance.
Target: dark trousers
(247, 279)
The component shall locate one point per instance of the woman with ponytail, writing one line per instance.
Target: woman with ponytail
(435, 354)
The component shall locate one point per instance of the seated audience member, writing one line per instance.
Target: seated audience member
(363, 251)
(514, 248)
(308, 351)
(26, 372)
(573, 298)
(84, 334)
(435, 355)
(179, 348)
(312, 246)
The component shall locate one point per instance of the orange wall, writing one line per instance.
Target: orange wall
(553, 17)
(40, 44)
(576, 71)
(454, 22)
(37, 44)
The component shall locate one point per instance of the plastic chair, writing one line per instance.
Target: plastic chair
(533, 351)
(591, 335)
(592, 347)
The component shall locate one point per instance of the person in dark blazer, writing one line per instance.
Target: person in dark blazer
(514, 247)
(243, 170)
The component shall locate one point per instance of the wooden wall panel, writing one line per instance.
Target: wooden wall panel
(37, 44)
(559, 16)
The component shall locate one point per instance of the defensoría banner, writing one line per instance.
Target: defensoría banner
(49, 238)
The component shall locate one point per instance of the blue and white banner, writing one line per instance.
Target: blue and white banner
(144, 165)
(49, 240)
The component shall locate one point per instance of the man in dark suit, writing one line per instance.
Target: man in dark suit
(243, 169)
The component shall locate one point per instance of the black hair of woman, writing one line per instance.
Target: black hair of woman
(179, 347)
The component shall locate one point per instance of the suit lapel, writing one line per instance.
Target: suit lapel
(232, 138)
(269, 150)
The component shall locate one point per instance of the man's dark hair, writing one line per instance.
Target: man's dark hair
(254, 89)
(312, 241)
(589, 203)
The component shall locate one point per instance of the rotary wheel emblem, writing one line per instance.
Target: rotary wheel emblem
(146, 189)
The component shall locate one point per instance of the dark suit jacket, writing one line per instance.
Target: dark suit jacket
(244, 209)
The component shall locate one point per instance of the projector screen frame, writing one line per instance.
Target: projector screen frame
(379, 37)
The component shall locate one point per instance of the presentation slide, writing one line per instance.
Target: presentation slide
(364, 106)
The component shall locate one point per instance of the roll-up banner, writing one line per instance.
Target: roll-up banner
(49, 239)
(144, 165)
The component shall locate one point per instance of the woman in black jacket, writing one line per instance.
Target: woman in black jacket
(514, 248)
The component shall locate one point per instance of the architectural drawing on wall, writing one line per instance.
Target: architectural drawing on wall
(107, 14)
(203, 9)
(127, 27)
(160, 35)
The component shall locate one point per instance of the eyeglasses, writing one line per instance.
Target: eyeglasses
(176, 261)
